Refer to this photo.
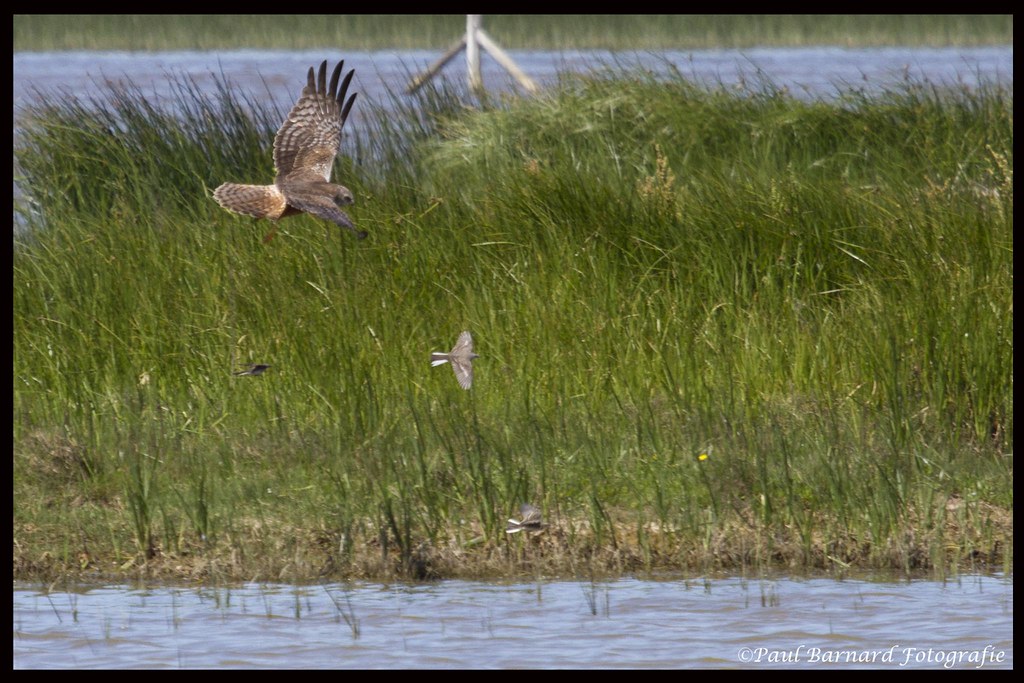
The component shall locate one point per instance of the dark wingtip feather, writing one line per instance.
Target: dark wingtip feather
(322, 78)
(344, 85)
(333, 90)
(348, 105)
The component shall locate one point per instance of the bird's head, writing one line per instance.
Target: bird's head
(343, 197)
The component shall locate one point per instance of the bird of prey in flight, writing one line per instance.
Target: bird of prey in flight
(304, 151)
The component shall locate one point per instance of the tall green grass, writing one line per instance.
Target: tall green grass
(815, 296)
(537, 32)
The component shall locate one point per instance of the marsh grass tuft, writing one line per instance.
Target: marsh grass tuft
(816, 297)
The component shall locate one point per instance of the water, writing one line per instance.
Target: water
(963, 623)
(816, 72)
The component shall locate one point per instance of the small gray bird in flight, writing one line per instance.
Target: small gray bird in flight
(461, 357)
(252, 369)
(531, 520)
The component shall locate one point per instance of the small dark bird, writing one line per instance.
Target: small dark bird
(252, 369)
(461, 357)
(531, 520)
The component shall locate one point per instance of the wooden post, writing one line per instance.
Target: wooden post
(434, 68)
(501, 57)
(476, 83)
(474, 39)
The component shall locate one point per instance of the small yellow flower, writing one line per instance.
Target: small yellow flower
(702, 457)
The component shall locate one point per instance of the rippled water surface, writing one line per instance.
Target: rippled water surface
(806, 72)
(961, 623)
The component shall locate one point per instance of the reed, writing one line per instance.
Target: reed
(815, 296)
(528, 32)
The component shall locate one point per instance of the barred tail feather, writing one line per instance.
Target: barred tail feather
(260, 201)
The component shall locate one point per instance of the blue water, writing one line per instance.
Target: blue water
(964, 623)
(820, 72)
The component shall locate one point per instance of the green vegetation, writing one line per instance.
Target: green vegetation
(546, 32)
(815, 296)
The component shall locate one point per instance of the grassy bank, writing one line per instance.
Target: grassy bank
(717, 330)
(538, 32)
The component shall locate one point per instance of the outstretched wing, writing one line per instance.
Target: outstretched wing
(464, 345)
(530, 514)
(463, 369)
(462, 360)
(321, 206)
(309, 138)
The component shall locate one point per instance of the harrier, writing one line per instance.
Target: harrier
(304, 151)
